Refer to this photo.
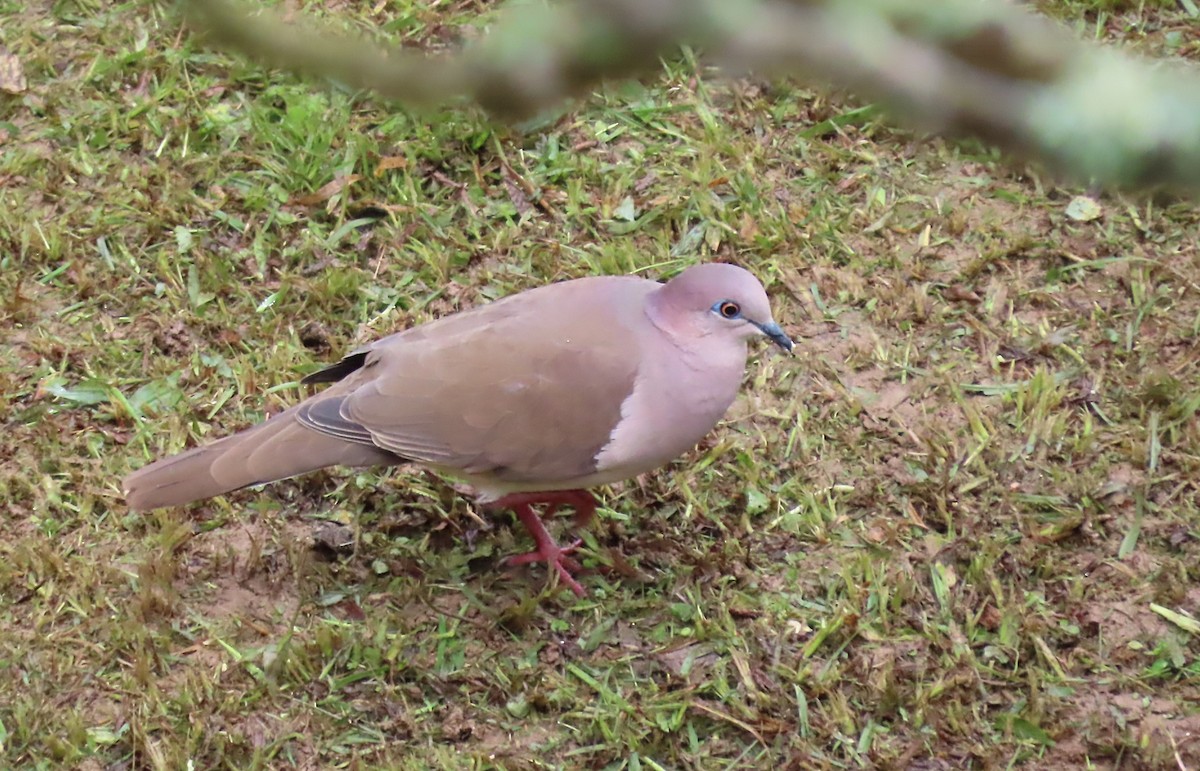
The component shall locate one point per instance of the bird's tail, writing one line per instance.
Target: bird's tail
(276, 449)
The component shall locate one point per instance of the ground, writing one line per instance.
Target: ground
(960, 528)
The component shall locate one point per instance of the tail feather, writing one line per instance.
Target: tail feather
(276, 449)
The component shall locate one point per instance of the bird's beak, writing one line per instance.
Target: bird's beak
(777, 335)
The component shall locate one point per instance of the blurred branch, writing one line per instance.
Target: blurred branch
(968, 67)
(992, 70)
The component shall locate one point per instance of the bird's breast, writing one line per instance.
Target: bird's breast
(676, 401)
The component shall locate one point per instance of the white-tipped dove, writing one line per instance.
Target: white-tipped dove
(530, 399)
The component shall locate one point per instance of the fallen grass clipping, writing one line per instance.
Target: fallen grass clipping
(958, 530)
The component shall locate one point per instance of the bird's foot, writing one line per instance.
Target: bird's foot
(555, 557)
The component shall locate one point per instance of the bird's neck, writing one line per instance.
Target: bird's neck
(671, 320)
(696, 347)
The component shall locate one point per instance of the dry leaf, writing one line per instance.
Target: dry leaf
(328, 190)
(961, 293)
(519, 201)
(1084, 209)
(390, 162)
(12, 75)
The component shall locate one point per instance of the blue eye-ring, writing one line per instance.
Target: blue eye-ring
(727, 309)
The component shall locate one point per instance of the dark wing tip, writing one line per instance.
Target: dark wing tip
(336, 372)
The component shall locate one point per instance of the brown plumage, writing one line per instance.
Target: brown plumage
(545, 392)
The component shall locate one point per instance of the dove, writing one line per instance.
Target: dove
(531, 399)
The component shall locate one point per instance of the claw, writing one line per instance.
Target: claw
(548, 551)
(556, 557)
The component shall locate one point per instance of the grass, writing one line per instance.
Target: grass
(960, 529)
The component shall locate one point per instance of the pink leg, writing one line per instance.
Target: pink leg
(581, 500)
(548, 550)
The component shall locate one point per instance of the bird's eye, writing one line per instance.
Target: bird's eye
(728, 309)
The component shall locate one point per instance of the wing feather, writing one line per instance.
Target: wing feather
(531, 391)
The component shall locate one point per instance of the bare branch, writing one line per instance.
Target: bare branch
(970, 67)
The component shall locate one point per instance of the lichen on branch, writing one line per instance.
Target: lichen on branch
(962, 67)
